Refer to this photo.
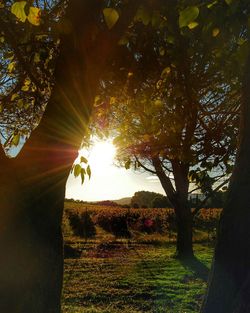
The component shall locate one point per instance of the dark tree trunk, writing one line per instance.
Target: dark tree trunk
(179, 200)
(32, 186)
(229, 283)
(184, 221)
(31, 263)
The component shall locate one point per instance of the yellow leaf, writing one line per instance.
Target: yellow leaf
(17, 9)
(215, 32)
(112, 100)
(11, 67)
(34, 16)
(111, 17)
(192, 25)
(25, 88)
(20, 103)
(2, 39)
(14, 96)
(37, 57)
(166, 71)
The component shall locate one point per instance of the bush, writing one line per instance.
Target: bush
(114, 224)
(82, 224)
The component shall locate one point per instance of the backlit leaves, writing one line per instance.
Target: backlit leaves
(111, 17)
(34, 16)
(18, 9)
(188, 16)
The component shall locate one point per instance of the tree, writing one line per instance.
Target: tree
(32, 185)
(229, 284)
(147, 198)
(174, 109)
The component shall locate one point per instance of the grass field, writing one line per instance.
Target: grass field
(131, 276)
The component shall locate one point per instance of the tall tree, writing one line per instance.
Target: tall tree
(32, 185)
(229, 282)
(174, 107)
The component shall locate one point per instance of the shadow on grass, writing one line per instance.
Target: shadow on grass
(197, 267)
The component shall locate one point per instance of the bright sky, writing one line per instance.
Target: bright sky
(108, 182)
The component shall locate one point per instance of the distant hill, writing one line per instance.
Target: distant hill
(123, 201)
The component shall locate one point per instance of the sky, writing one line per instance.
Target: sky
(108, 182)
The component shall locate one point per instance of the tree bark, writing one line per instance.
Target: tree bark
(33, 184)
(179, 200)
(229, 283)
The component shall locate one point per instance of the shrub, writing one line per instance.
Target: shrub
(114, 224)
(82, 224)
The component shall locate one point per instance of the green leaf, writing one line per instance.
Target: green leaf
(188, 16)
(210, 5)
(111, 17)
(15, 140)
(88, 170)
(83, 172)
(83, 160)
(192, 25)
(228, 2)
(17, 9)
(77, 170)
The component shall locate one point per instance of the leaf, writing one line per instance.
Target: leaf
(83, 160)
(127, 164)
(88, 170)
(34, 16)
(20, 103)
(83, 172)
(165, 72)
(1, 108)
(111, 17)
(228, 2)
(77, 170)
(192, 25)
(11, 67)
(14, 96)
(188, 15)
(37, 57)
(15, 140)
(215, 32)
(210, 5)
(17, 9)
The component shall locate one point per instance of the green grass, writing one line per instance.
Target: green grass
(133, 278)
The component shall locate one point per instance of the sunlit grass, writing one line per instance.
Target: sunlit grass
(132, 277)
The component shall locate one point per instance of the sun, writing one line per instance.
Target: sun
(100, 156)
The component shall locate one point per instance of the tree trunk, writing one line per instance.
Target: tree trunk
(32, 186)
(184, 221)
(179, 200)
(229, 284)
(31, 263)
